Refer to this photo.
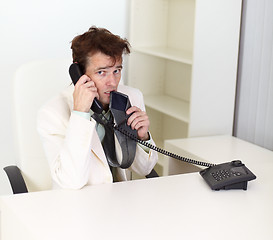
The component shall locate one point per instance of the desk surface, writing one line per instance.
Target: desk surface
(173, 207)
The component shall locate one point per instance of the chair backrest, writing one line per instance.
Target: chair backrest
(34, 84)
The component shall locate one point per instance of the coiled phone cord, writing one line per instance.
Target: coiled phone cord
(160, 150)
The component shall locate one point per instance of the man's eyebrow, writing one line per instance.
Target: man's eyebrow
(107, 67)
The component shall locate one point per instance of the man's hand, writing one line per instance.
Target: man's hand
(84, 93)
(139, 120)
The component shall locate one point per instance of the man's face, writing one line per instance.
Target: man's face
(105, 74)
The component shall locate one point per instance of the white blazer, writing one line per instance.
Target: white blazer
(73, 148)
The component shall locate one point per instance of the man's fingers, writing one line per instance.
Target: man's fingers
(82, 80)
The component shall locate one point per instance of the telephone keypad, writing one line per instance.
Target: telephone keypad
(223, 174)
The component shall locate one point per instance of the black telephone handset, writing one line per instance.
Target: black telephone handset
(231, 175)
(75, 74)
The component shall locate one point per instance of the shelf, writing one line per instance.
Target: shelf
(181, 56)
(179, 47)
(170, 106)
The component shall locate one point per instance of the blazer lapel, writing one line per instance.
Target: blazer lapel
(97, 150)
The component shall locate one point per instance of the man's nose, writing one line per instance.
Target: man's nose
(111, 80)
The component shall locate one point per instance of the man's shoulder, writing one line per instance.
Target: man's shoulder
(134, 94)
(128, 90)
(60, 102)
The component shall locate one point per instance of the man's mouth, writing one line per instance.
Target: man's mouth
(108, 92)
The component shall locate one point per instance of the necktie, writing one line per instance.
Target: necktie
(108, 142)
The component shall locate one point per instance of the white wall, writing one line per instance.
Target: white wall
(38, 29)
(254, 110)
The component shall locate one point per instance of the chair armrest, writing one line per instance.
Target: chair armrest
(152, 174)
(16, 179)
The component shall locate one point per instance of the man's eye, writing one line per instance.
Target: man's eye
(100, 72)
(117, 71)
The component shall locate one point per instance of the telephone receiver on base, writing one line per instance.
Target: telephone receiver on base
(75, 74)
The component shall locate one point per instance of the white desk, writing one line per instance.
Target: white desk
(174, 207)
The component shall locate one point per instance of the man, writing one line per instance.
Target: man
(72, 139)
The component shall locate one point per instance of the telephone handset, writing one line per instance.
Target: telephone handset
(75, 74)
(230, 175)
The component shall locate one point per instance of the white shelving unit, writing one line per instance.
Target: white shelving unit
(184, 60)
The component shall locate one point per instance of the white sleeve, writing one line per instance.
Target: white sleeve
(144, 160)
(66, 141)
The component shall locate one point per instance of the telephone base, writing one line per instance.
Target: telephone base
(241, 185)
(230, 175)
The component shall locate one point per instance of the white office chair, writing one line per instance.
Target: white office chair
(34, 84)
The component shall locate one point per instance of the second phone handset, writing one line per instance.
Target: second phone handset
(75, 74)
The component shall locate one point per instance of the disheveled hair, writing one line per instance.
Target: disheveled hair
(98, 40)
